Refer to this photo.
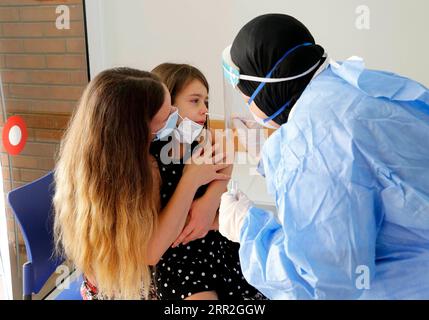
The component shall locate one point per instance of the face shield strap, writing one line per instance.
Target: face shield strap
(262, 84)
(277, 112)
(232, 74)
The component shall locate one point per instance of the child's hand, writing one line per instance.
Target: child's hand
(201, 218)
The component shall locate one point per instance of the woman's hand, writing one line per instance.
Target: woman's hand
(215, 224)
(201, 220)
(204, 167)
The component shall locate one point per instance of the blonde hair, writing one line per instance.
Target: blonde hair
(105, 207)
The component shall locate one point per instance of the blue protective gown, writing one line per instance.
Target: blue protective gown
(350, 175)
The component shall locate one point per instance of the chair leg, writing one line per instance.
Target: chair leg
(27, 280)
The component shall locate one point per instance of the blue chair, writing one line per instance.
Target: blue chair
(32, 206)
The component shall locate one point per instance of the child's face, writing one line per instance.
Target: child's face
(192, 102)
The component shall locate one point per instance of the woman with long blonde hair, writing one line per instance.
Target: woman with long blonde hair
(108, 220)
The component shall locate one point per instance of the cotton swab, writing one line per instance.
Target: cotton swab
(215, 115)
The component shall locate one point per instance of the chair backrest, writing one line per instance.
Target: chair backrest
(32, 206)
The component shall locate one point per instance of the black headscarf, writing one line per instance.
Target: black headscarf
(257, 48)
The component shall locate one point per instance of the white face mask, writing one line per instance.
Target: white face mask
(188, 130)
(169, 126)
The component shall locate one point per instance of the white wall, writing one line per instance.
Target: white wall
(144, 33)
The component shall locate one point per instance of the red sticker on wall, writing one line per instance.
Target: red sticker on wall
(14, 135)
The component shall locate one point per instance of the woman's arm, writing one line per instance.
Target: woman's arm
(172, 218)
(203, 210)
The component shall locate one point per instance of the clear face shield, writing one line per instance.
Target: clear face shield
(249, 134)
(241, 116)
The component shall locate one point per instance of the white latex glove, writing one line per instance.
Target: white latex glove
(233, 209)
(250, 135)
